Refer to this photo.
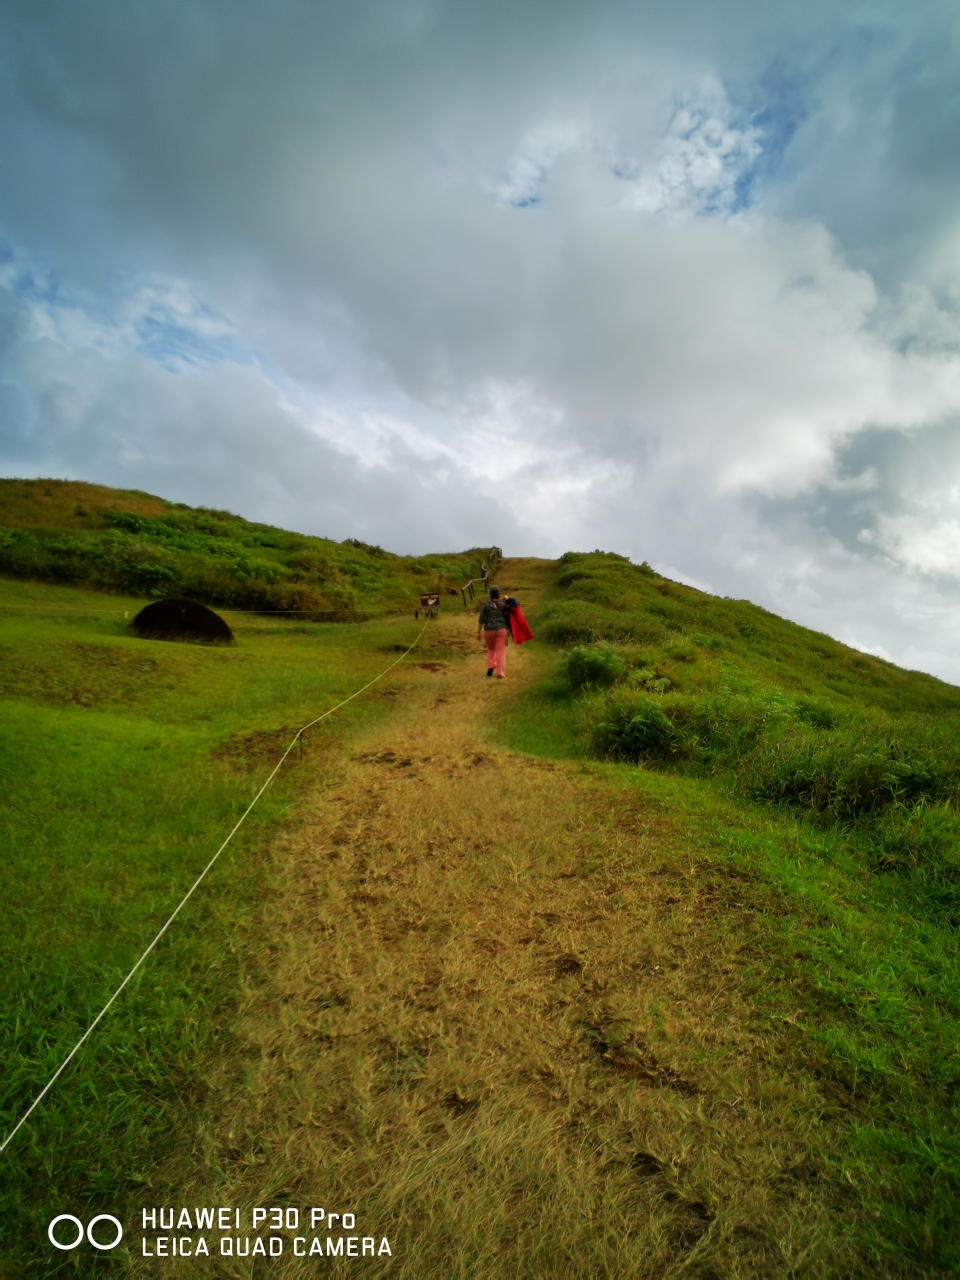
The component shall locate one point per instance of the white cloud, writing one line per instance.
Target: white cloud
(678, 575)
(927, 541)
(526, 170)
(877, 650)
(447, 274)
(702, 163)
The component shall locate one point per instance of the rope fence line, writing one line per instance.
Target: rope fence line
(188, 895)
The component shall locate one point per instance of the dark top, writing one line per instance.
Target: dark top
(492, 617)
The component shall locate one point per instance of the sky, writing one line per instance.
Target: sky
(680, 281)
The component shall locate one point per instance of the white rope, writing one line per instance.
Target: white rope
(187, 896)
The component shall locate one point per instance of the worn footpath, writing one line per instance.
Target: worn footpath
(498, 1014)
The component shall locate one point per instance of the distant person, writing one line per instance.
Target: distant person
(494, 626)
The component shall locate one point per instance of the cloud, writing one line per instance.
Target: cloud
(97, 403)
(682, 285)
(704, 162)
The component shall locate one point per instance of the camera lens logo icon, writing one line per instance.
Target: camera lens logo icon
(97, 1244)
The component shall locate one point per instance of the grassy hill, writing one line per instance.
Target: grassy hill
(835, 776)
(643, 962)
(664, 675)
(127, 541)
(602, 596)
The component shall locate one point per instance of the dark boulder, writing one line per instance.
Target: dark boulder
(181, 620)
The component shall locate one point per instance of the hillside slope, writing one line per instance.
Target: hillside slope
(679, 680)
(835, 777)
(603, 596)
(126, 541)
(642, 962)
(612, 1016)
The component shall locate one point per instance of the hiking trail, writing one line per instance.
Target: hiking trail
(481, 1004)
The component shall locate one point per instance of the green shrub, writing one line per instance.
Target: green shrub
(786, 752)
(634, 728)
(708, 642)
(720, 730)
(845, 776)
(641, 676)
(648, 610)
(570, 576)
(562, 631)
(707, 732)
(922, 835)
(596, 666)
(818, 714)
(566, 623)
(922, 844)
(677, 653)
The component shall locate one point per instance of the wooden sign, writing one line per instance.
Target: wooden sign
(430, 601)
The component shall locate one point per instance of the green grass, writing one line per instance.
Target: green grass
(749, 744)
(544, 720)
(697, 641)
(125, 763)
(726, 709)
(66, 531)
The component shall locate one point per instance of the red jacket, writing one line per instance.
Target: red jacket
(519, 627)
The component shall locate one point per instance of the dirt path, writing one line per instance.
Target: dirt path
(500, 1019)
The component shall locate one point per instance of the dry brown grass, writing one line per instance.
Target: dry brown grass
(59, 503)
(504, 1013)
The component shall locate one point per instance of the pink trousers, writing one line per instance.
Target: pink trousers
(496, 649)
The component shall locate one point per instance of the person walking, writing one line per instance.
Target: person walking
(494, 626)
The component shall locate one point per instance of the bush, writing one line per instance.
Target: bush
(922, 836)
(678, 653)
(591, 667)
(722, 730)
(221, 560)
(791, 753)
(646, 677)
(818, 714)
(556, 629)
(575, 622)
(846, 776)
(569, 576)
(922, 844)
(708, 733)
(634, 729)
(708, 642)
